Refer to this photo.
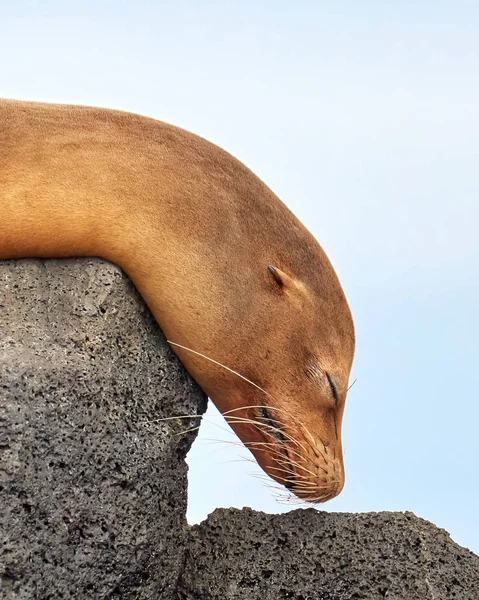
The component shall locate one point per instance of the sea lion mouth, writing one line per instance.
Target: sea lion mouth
(276, 429)
(314, 479)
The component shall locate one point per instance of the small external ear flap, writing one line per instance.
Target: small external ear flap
(286, 283)
(280, 277)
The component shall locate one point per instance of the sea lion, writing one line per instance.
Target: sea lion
(248, 298)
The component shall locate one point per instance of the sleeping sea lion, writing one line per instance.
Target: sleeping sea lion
(246, 295)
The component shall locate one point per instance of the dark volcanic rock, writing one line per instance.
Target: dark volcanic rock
(92, 492)
(93, 487)
(311, 555)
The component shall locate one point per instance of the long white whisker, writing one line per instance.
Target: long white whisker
(219, 364)
(251, 383)
(287, 467)
(234, 419)
(170, 419)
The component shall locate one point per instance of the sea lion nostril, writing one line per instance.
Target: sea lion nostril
(265, 416)
(272, 425)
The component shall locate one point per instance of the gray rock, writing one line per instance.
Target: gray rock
(93, 486)
(311, 555)
(92, 489)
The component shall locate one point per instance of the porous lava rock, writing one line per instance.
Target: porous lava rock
(312, 555)
(93, 485)
(93, 480)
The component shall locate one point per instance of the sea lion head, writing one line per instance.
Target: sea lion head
(285, 387)
(293, 428)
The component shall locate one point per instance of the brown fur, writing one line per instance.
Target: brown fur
(195, 230)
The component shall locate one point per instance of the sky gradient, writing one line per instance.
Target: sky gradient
(364, 119)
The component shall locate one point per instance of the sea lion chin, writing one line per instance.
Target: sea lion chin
(246, 295)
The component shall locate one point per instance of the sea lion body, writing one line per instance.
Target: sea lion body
(227, 270)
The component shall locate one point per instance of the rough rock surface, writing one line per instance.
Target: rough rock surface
(92, 493)
(93, 487)
(311, 555)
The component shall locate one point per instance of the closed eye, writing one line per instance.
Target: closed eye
(333, 388)
(315, 373)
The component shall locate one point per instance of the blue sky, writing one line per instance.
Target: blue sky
(363, 117)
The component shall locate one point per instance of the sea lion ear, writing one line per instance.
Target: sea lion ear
(286, 283)
(283, 280)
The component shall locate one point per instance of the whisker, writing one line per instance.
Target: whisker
(269, 408)
(220, 441)
(270, 427)
(239, 460)
(224, 445)
(262, 426)
(295, 480)
(269, 483)
(274, 445)
(279, 430)
(233, 419)
(259, 424)
(273, 448)
(314, 446)
(293, 440)
(219, 364)
(271, 432)
(170, 419)
(273, 451)
(351, 385)
(302, 467)
(287, 466)
(272, 408)
(290, 415)
(227, 430)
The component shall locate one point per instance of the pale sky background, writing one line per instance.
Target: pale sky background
(364, 118)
